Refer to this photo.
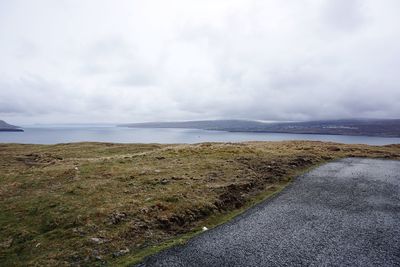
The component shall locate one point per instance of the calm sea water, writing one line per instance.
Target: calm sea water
(63, 134)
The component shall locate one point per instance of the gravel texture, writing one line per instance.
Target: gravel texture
(345, 213)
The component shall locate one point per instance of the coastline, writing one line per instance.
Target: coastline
(11, 130)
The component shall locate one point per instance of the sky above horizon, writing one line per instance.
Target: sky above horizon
(135, 61)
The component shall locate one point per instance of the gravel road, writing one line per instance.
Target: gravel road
(345, 213)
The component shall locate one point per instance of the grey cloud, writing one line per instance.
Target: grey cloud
(33, 95)
(270, 60)
(345, 15)
(117, 57)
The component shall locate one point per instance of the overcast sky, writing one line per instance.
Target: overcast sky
(133, 61)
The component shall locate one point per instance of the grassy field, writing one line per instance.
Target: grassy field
(88, 204)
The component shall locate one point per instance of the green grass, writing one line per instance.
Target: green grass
(89, 203)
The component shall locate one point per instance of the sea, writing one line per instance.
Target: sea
(55, 134)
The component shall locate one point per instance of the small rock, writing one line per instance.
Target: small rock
(97, 240)
(213, 175)
(117, 217)
(79, 231)
(204, 228)
(164, 181)
(121, 252)
(144, 210)
(7, 243)
(157, 171)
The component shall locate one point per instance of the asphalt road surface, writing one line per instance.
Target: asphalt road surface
(345, 213)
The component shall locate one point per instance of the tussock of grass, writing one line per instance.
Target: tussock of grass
(100, 203)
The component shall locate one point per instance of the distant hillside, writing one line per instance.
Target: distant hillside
(369, 127)
(5, 127)
(222, 125)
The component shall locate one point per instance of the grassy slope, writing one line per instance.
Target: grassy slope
(89, 203)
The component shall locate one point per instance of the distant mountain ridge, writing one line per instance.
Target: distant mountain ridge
(360, 127)
(5, 127)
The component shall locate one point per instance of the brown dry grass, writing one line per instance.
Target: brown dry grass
(89, 203)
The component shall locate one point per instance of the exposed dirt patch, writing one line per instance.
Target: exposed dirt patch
(32, 159)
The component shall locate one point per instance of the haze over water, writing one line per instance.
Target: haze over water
(67, 134)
